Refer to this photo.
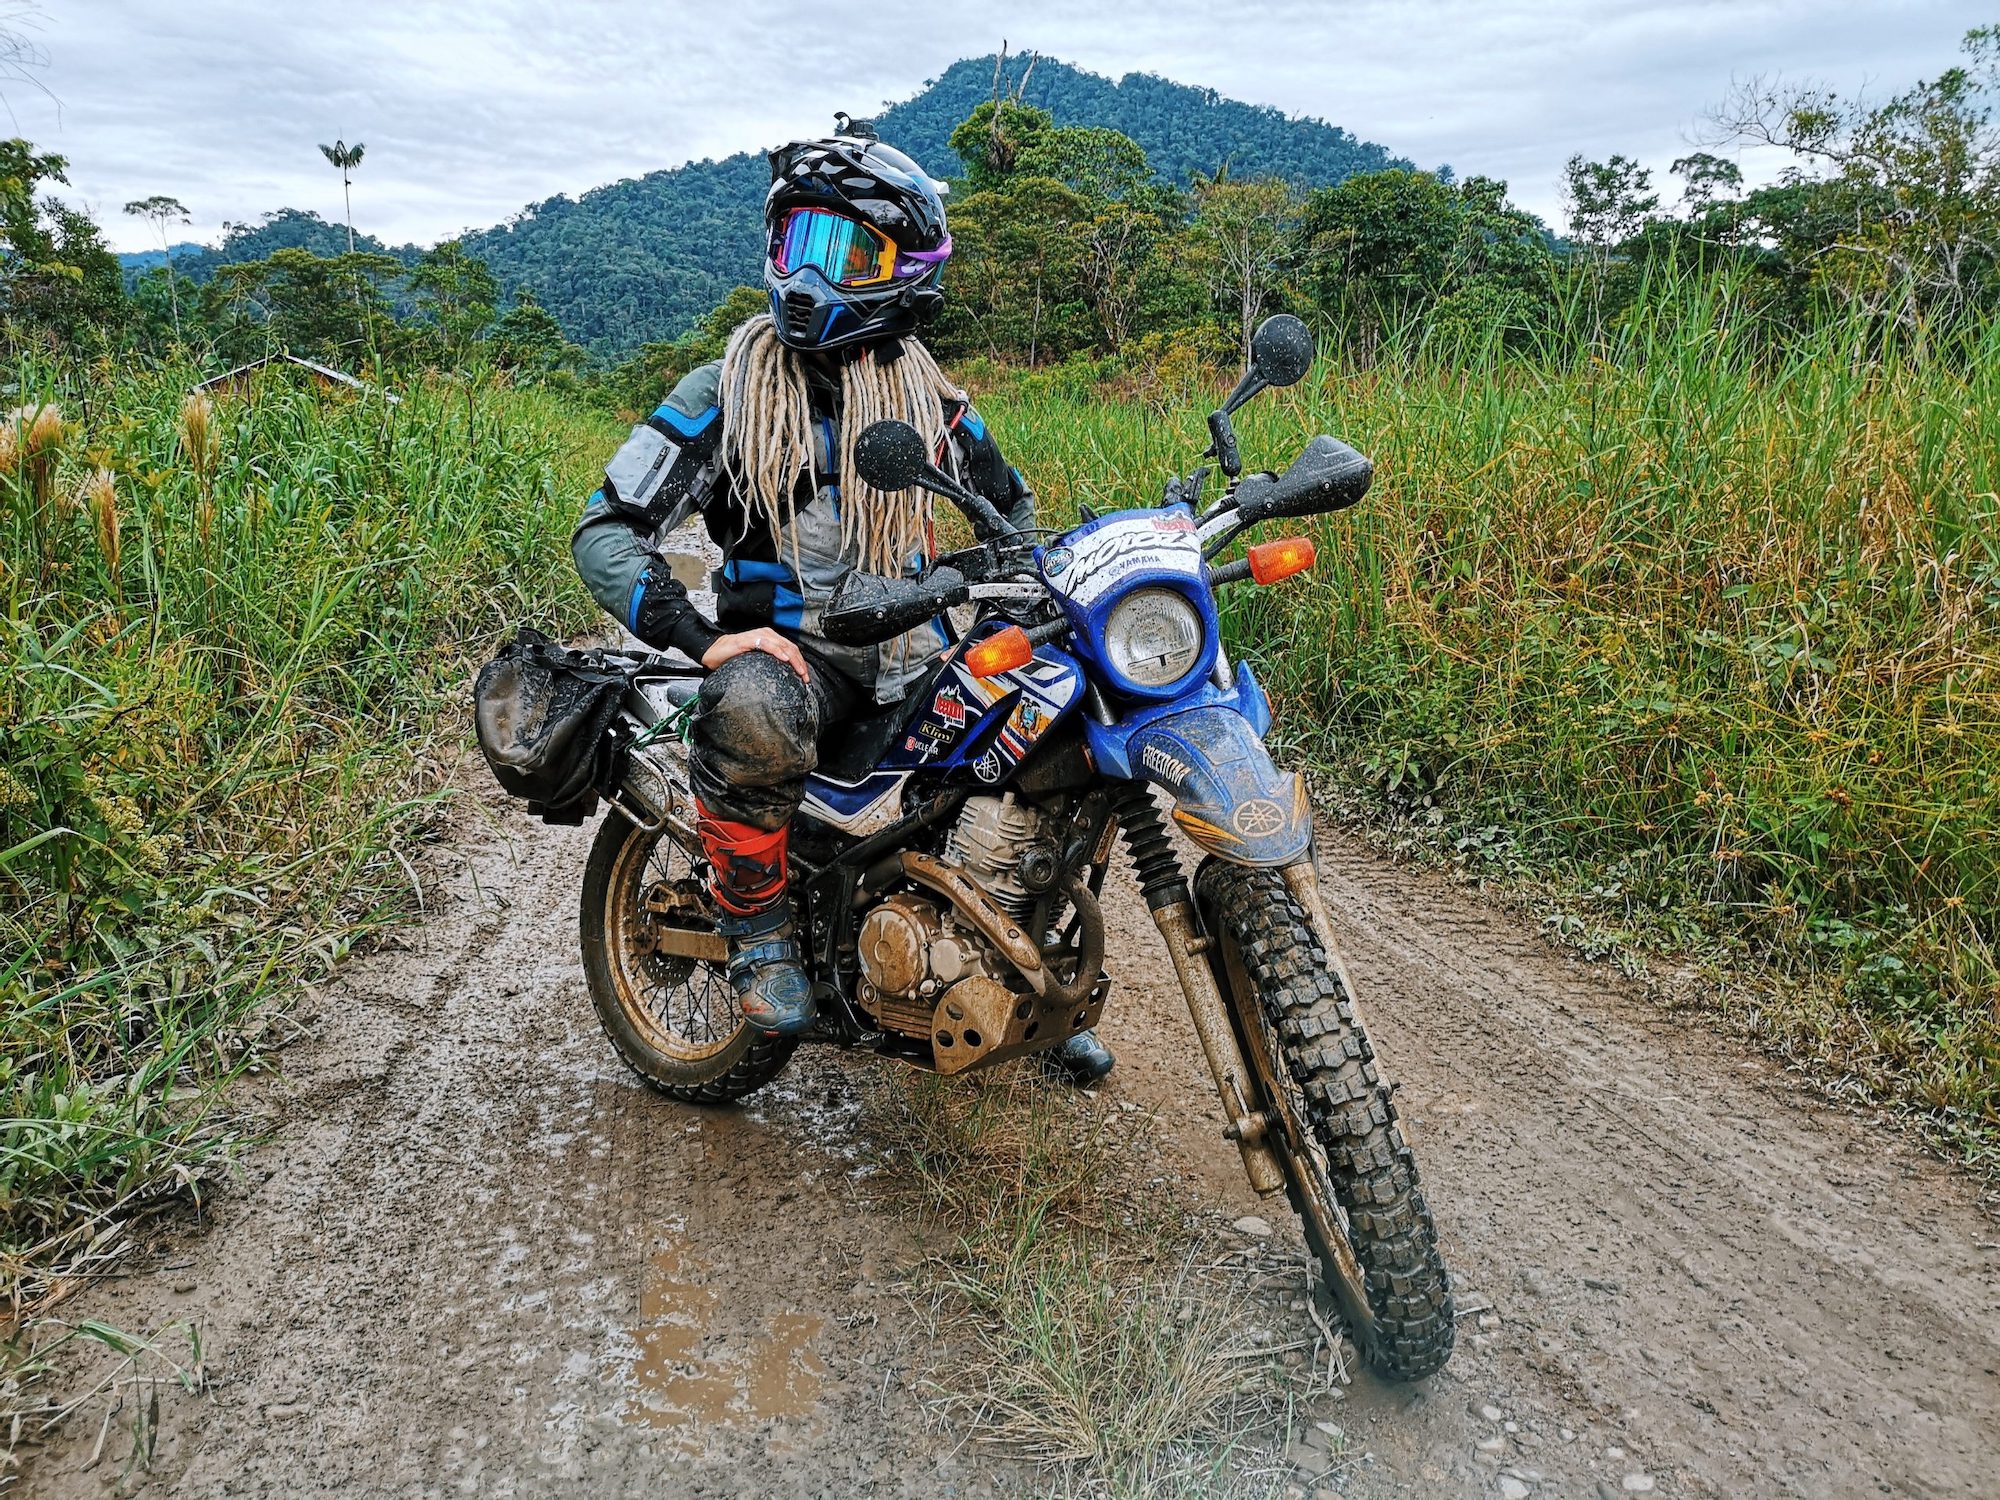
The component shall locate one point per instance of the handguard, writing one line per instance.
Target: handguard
(1328, 476)
(867, 609)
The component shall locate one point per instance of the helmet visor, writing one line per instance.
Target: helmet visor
(845, 251)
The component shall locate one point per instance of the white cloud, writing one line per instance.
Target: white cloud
(470, 112)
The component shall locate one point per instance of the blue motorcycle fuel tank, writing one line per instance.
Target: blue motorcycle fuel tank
(983, 727)
(987, 724)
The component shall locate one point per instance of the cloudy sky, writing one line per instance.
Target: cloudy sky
(473, 108)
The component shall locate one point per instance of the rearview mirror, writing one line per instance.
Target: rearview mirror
(1281, 351)
(891, 456)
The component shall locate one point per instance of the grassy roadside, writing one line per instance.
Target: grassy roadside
(1696, 636)
(234, 640)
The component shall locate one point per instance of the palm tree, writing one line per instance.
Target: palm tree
(163, 211)
(347, 158)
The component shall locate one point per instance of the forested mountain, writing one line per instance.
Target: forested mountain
(637, 260)
(282, 229)
(139, 261)
(1183, 129)
(644, 258)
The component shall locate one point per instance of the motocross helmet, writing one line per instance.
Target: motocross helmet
(855, 240)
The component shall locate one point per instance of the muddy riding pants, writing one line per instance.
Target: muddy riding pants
(755, 738)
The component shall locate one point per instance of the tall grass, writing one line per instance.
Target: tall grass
(1701, 627)
(232, 634)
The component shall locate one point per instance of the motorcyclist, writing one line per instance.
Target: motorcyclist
(760, 444)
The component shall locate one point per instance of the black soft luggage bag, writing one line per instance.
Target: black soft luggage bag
(545, 716)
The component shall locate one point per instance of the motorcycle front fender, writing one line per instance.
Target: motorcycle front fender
(1228, 795)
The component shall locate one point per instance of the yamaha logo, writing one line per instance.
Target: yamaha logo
(1259, 818)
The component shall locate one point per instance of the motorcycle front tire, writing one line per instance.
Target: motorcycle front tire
(1350, 1172)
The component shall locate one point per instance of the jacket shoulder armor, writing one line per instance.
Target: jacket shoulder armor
(699, 391)
(668, 465)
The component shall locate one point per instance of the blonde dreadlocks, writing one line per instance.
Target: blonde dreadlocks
(767, 442)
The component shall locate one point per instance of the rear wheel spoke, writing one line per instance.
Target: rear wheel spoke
(670, 1014)
(684, 1004)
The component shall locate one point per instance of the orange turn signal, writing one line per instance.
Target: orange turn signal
(1000, 652)
(1270, 561)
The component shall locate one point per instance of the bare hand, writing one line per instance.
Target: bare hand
(767, 641)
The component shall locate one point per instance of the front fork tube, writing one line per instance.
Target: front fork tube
(1189, 951)
(1302, 880)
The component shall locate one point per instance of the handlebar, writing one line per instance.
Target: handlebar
(868, 609)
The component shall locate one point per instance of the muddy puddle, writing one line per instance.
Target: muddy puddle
(713, 1359)
(689, 1377)
(689, 570)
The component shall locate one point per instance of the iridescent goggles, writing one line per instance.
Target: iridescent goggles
(845, 251)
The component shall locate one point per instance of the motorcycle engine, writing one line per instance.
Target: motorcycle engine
(912, 949)
(1004, 846)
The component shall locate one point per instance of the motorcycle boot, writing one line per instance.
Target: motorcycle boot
(754, 912)
(1080, 1060)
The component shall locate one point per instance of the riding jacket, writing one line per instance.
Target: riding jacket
(671, 468)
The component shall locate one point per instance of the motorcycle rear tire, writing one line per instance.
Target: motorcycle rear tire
(1302, 1036)
(713, 1070)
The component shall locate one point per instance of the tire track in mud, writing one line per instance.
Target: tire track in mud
(1746, 1294)
(482, 1259)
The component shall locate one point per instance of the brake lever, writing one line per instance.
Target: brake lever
(1015, 555)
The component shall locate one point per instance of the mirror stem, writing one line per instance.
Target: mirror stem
(1222, 443)
(987, 522)
(1252, 384)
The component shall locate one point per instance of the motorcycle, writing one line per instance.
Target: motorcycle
(948, 864)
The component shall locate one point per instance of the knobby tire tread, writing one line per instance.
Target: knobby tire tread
(1348, 1107)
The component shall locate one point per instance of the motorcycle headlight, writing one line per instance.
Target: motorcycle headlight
(1153, 637)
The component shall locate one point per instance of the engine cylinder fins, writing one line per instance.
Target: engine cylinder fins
(1004, 844)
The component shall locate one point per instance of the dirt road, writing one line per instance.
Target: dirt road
(481, 1260)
